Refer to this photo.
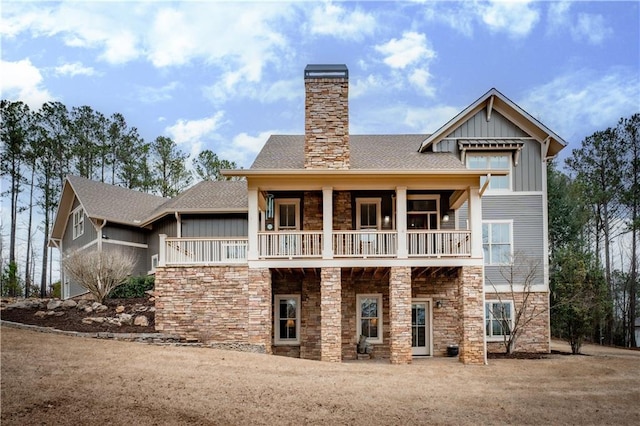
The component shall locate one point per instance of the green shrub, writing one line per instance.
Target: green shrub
(55, 290)
(135, 287)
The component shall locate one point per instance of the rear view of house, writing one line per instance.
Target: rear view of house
(398, 238)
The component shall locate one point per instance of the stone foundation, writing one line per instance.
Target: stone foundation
(535, 336)
(330, 315)
(215, 305)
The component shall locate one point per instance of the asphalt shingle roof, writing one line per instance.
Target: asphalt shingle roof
(368, 152)
(207, 195)
(114, 203)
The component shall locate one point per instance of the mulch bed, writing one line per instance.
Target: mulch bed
(517, 355)
(71, 319)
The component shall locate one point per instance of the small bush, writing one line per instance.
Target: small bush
(135, 287)
(55, 290)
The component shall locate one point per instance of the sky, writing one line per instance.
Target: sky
(225, 75)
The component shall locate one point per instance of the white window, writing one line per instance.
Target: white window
(500, 161)
(368, 213)
(496, 242)
(288, 214)
(287, 319)
(154, 262)
(78, 222)
(498, 318)
(422, 212)
(369, 317)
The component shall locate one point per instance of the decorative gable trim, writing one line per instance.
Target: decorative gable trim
(515, 145)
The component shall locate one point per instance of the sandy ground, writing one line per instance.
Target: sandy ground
(49, 379)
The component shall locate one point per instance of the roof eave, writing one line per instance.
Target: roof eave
(361, 172)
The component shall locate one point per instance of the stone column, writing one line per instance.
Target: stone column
(471, 315)
(330, 315)
(259, 308)
(400, 315)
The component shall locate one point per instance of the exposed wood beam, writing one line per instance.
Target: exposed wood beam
(457, 198)
(486, 184)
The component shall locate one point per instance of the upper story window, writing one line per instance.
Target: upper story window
(501, 161)
(288, 214)
(496, 242)
(368, 213)
(78, 222)
(422, 211)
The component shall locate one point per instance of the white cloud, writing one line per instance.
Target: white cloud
(577, 104)
(74, 69)
(192, 132)
(333, 20)
(408, 50)
(362, 86)
(457, 15)
(558, 16)
(157, 94)
(421, 79)
(232, 86)
(516, 18)
(428, 120)
(244, 147)
(22, 81)
(591, 27)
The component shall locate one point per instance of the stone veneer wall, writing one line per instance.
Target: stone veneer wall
(351, 287)
(342, 211)
(400, 315)
(471, 315)
(445, 319)
(312, 211)
(214, 304)
(330, 315)
(535, 336)
(326, 127)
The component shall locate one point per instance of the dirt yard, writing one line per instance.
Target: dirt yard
(51, 379)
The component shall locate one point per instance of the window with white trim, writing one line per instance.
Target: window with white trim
(369, 317)
(368, 213)
(287, 214)
(78, 222)
(154, 262)
(498, 318)
(496, 242)
(287, 319)
(501, 161)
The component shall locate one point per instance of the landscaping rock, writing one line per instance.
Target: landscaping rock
(53, 304)
(126, 318)
(88, 309)
(41, 314)
(70, 303)
(141, 320)
(100, 308)
(141, 309)
(119, 309)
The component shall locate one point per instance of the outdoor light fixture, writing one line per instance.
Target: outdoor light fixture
(439, 304)
(290, 323)
(445, 218)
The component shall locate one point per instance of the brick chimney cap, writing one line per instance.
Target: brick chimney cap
(326, 71)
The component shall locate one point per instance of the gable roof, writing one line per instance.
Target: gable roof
(116, 204)
(367, 152)
(493, 99)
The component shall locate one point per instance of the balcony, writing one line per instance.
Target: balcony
(308, 245)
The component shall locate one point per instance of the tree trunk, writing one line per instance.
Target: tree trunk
(27, 268)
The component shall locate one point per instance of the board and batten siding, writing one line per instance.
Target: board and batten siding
(526, 212)
(123, 233)
(226, 225)
(139, 255)
(89, 235)
(527, 175)
(168, 226)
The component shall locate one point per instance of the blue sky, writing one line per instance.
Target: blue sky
(225, 75)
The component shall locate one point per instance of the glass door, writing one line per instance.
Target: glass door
(420, 328)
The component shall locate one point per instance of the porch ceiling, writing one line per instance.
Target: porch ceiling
(434, 272)
(368, 273)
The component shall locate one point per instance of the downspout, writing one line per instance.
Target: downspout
(99, 232)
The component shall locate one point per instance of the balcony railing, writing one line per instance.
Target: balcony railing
(439, 243)
(308, 244)
(290, 244)
(365, 243)
(193, 251)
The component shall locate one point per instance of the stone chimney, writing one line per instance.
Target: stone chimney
(326, 125)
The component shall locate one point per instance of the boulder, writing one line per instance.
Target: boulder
(114, 321)
(53, 304)
(100, 308)
(95, 305)
(40, 314)
(126, 318)
(88, 309)
(119, 309)
(141, 320)
(69, 303)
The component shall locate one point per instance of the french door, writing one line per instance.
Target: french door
(421, 327)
